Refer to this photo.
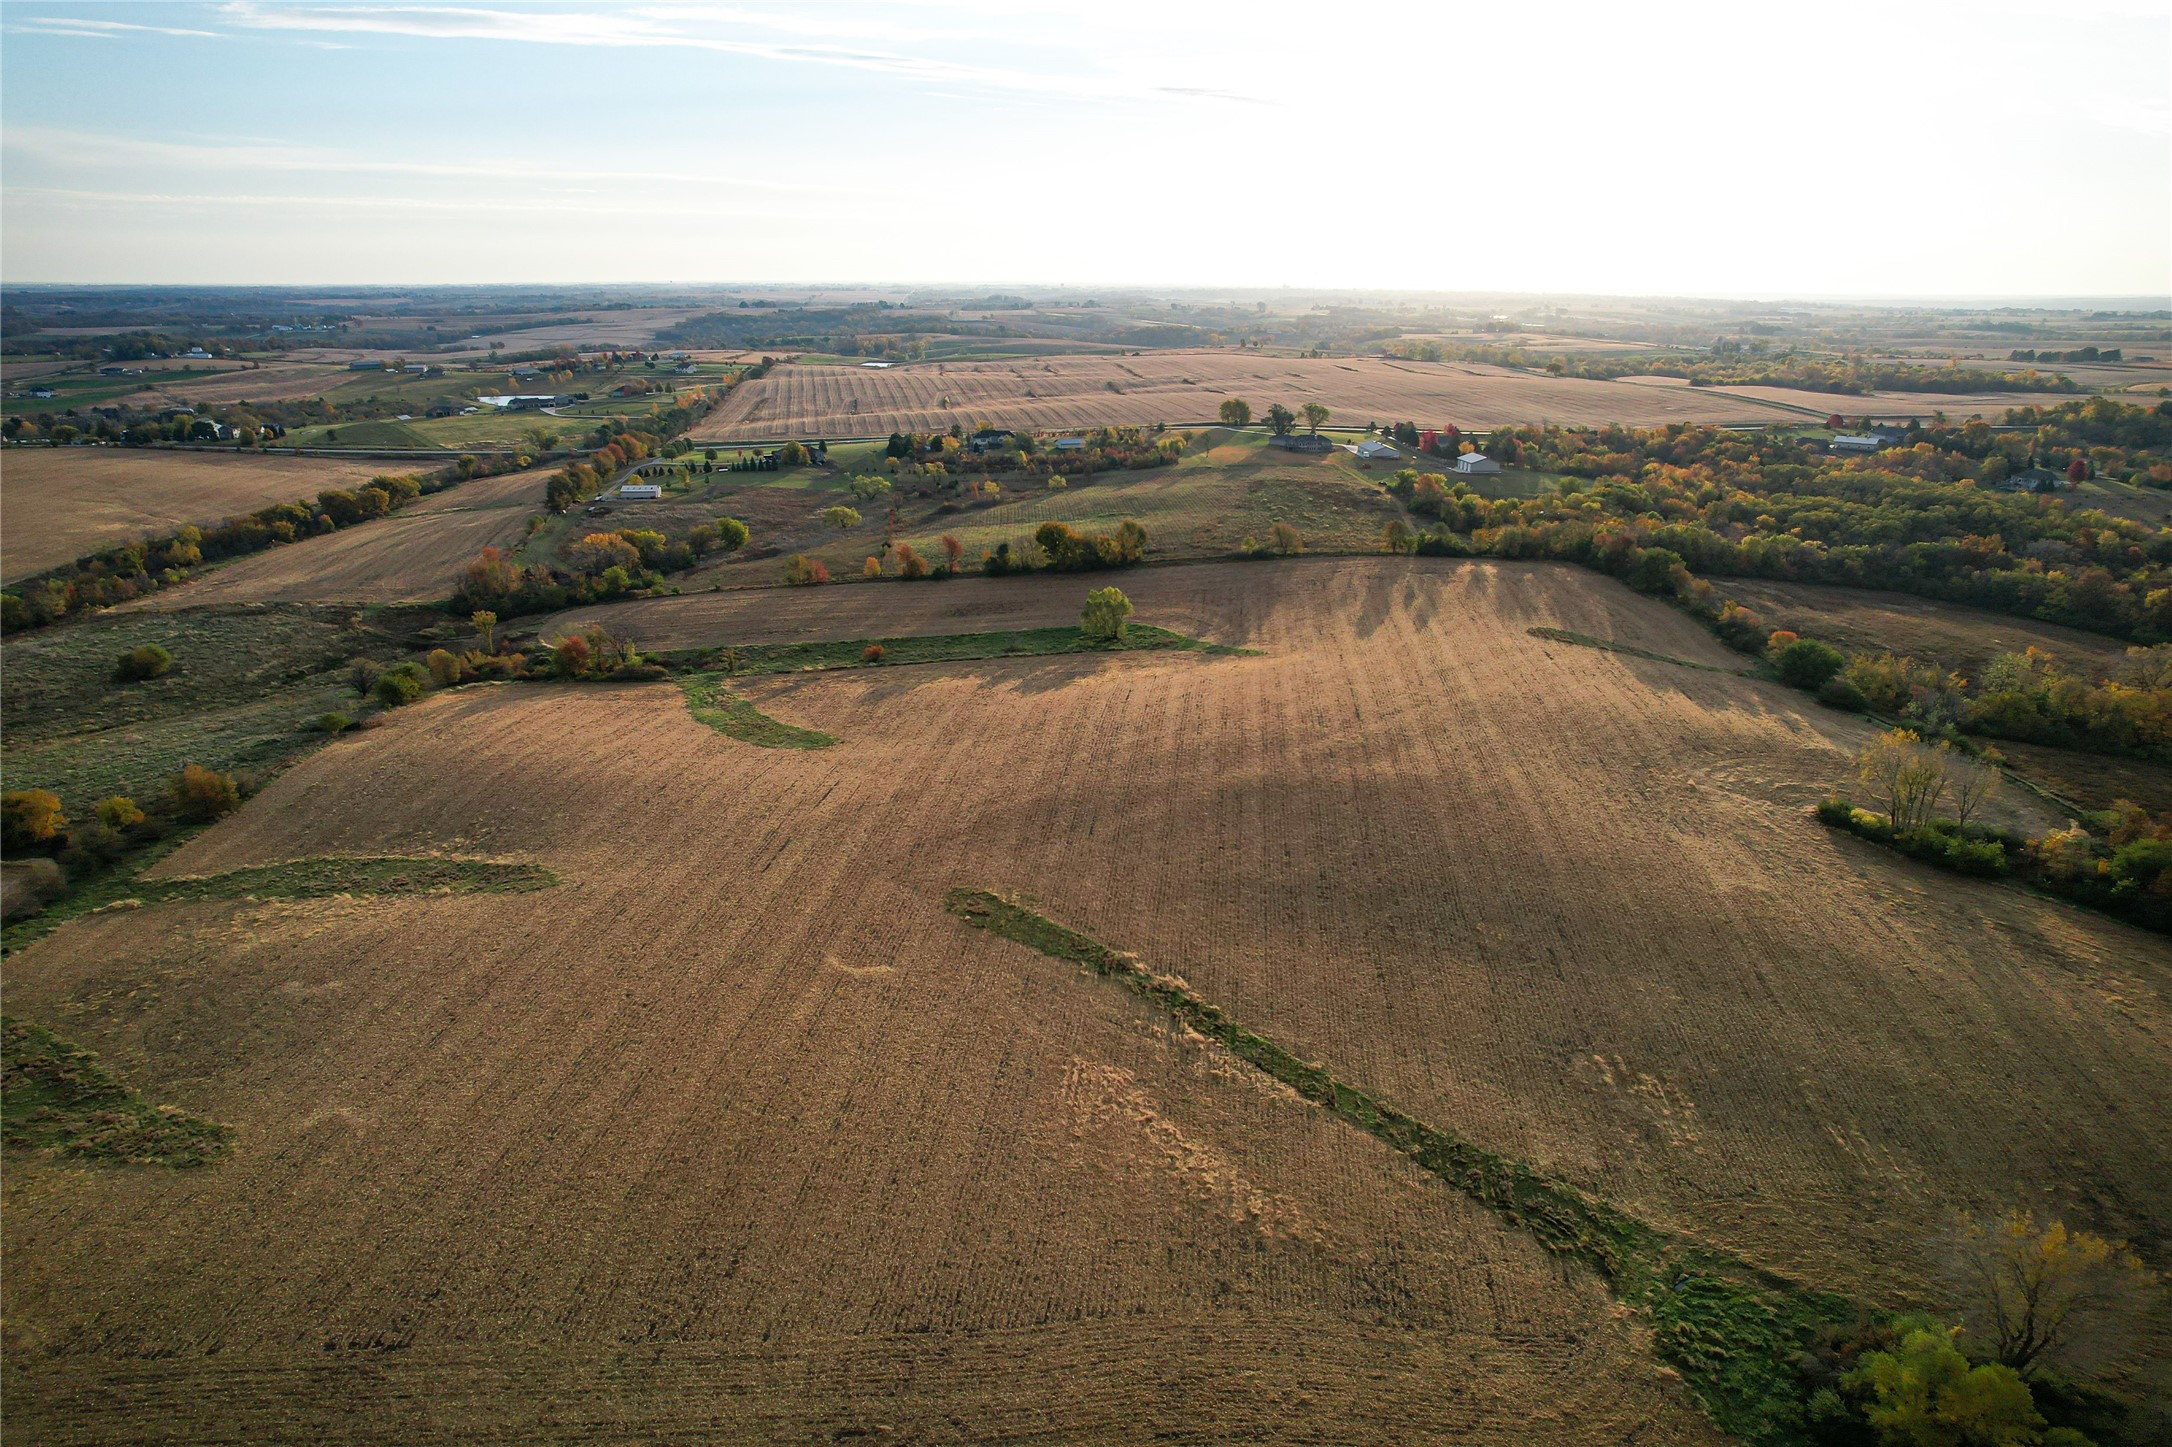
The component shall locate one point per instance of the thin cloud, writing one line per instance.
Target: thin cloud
(669, 27)
(77, 149)
(107, 29)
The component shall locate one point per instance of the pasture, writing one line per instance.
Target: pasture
(738, 1133)
(64, 502)
(1074, 392)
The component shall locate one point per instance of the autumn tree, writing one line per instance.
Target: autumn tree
(802, 571)
(201, 795)
(841, 517)
(1285, 539)
(1904, 777)
(486, 626)
(2035, 1294)
(597, 552)
(872, 569)
(1397, 537)
(569, 656)
(1102, 619)
(1315, 414)
(30, 818)
(909, 562)
(953, 551)
(1236, 411)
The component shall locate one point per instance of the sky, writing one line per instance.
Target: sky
(1767, 148)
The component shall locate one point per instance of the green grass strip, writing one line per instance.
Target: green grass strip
(56, 1097)
(754, 659)
(316, 878)
(1585, 640)
(1730, 1328)
(708, 700)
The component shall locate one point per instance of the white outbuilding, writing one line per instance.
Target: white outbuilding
(1476, 463)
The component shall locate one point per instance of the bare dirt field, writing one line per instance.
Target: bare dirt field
(1870, 622)
(1901, 405)
(1185, 386)
(57, 504)
(413, 556)
(737, 1134)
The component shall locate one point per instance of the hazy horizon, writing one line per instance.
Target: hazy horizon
(1908, 151)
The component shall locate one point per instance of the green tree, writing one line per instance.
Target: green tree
(148, 661)
(118, 812)
(1102, 619)
(1280, 419)
(1315, 414)
(731, 535)
(486, 624)
(1927, 1395)
(1807, 663)
(1236, 411)
(841, 517)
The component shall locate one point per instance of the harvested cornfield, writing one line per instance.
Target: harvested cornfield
(1899, 406)
(415, 555)
(1057, 393)
(63, 502)
(738, 1134)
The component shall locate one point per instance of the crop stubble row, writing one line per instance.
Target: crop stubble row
(742, 1088)
(1177, 387)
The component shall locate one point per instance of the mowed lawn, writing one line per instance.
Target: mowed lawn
(738, 1134)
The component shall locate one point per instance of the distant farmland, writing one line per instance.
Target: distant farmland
(1177, 387)
(64, 502)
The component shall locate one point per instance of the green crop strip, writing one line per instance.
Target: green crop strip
(55, 1096)
(295, 879)
(1585, 640)
(765, 658)
(1730, 1328)
(708, 700)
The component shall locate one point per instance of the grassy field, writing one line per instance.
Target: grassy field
(245, 684)
(63, 502)
(1073, 392)
(843, 1162)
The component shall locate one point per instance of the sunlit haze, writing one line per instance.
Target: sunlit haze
(1863, 150)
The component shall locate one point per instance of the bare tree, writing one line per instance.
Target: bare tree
(1971, 783)
(2033, 1294)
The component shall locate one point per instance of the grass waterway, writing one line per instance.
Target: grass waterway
(1730, 1328)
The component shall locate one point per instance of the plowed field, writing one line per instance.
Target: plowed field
(58, 503)
(1187, 387)
(415, 555)
(737, 1134)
